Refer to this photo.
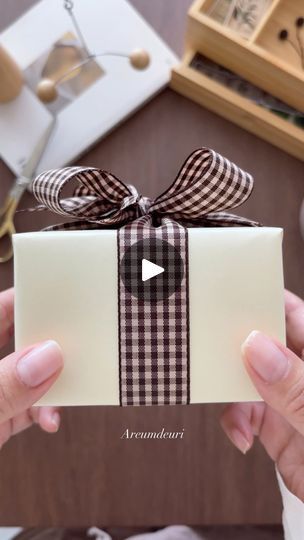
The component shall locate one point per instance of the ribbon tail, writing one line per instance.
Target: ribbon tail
(38, 208)
(223, 219)
(74, 225)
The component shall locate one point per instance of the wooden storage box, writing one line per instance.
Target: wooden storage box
(263, 60)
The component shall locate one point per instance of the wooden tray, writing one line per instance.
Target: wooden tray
(263, 59)
(235, 107)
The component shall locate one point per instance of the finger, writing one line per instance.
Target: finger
(7, 304)
(256, 419)
(48, 418)
(11, 427)
(5, 335)
(6, 315)
(26, 375)
(236, 423)
(278, 375)
(294, 309)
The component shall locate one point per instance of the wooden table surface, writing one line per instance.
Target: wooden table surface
(86, 474)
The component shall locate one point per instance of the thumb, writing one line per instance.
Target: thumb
(26, 375)
(278, 375)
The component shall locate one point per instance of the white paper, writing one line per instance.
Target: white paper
(236, 286)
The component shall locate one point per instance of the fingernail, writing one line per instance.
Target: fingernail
(56, 420)
(40, 364)
(265, 358)
(240, 441)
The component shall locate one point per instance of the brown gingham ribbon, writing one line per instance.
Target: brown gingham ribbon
(153, 336)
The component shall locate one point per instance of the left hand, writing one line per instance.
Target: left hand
(47, 418)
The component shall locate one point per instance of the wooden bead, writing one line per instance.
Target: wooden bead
(139, 59)
(46, 90)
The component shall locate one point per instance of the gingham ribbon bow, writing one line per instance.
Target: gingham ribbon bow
(153, 335)
(206, 186)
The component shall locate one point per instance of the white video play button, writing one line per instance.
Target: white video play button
(149, 269)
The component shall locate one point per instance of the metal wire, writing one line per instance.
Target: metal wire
(69, 6)
(86, 61)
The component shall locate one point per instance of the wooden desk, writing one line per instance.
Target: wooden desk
(86, 475)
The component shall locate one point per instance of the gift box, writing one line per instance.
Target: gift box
(150, 301)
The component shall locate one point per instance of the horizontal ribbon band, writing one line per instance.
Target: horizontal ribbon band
(154, 333)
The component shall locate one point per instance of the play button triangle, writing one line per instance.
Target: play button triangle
(149, 269)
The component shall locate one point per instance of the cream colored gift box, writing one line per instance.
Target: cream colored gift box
(66, 289)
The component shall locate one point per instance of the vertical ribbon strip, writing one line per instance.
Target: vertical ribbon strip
(153, 317)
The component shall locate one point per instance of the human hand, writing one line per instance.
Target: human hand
(24, 377)
(278, 374)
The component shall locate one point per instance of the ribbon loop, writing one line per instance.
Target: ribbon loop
(206, 185)
(207, 182)
(100, 198)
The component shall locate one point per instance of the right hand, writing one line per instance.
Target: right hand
(278, 374)
(25, 376)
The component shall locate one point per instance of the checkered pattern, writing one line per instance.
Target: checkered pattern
(98, 201)
(153, 336)
(207, 182)
(206, 185)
